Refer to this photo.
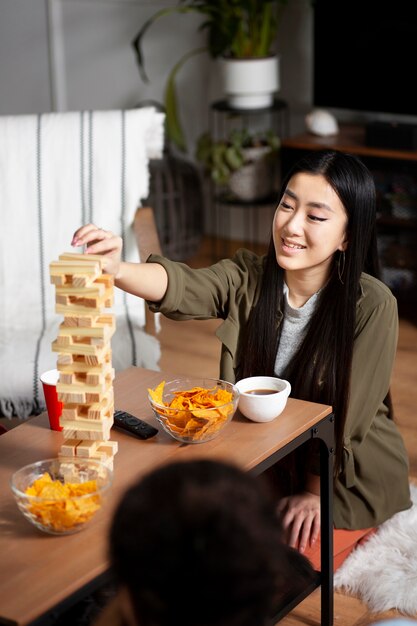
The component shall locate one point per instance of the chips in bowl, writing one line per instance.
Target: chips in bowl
(194, 410)
(61, 496)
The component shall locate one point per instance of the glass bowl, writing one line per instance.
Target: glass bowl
(67, 495)
(194, 418)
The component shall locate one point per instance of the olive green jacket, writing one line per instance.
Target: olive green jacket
(373, 482)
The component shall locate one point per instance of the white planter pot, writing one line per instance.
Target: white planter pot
(250, 83)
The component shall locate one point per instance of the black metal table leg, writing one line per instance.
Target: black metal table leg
(324, 431)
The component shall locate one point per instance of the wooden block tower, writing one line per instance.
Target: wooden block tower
(85, 385)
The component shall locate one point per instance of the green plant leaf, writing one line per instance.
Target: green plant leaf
(174, 129)
(137, 41)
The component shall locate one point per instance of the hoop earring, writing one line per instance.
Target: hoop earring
(341, 265)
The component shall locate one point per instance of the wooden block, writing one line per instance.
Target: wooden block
(104, 331)
(96, 411)
(87, 448)
(62, 300)
(85, 258)
(85, 378)
(96, 289)
(86, 424)
(62, 341)
(100, 379)
(79, 397)
(76, 267)
(72, 368)
(72, 397)
(83, 280)
(71, 411)
(103, 458)
(109, 447)
(109, 319)
(94, 353)
(69, 447)
(97, 358)
(89, 321)
(62, 309)
(70, 433)
(92, 398)
(79, 362)
(64, 359)
(95, 295)
(104, 408)
(76, 304)
(98, 341)
(106, 279)
(81, 387)
(71, 473)
(59, 279)
(80, 320)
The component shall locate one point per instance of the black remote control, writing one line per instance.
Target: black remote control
(133, 425)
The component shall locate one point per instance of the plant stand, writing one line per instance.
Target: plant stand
(232, 218)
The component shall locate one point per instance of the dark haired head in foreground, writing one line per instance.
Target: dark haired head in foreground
(199, 543)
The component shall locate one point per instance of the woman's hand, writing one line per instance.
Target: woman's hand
(99, 241)
(300, 516)
(145, 280)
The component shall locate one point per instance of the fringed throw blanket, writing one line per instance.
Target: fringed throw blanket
(57, 172)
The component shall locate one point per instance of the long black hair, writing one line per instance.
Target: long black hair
(320, 370)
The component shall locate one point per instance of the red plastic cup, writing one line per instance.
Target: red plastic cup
(49, 380)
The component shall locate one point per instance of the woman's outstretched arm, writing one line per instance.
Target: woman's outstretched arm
(145, 280)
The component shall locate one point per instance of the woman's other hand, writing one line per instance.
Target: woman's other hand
(300, 516)
(99, 241)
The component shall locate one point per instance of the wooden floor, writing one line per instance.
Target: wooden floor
(192, 348)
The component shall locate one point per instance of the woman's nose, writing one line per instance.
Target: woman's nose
(294, 225)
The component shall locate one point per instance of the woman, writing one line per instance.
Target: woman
(313, 311)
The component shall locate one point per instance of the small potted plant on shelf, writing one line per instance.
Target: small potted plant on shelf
(243, 167)
(238, 31)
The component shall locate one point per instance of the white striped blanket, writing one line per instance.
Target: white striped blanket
(57, 172)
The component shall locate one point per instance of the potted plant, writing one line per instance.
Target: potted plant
(236, 30)
(244, 166)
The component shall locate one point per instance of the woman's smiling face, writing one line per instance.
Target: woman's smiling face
(309, 225)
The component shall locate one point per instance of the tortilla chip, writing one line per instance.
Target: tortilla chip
(198, 411)
(63, 505)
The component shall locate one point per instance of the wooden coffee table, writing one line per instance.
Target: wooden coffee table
(41, 575)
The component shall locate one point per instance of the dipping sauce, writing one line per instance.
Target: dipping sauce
(261, 392)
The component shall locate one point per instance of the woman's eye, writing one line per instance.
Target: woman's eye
(314, 218)
(286, 206)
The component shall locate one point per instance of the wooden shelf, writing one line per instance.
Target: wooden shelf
(351, 138)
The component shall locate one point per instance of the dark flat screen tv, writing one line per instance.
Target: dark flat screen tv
(365, 56)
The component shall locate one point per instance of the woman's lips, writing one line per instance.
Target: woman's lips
(291, 248)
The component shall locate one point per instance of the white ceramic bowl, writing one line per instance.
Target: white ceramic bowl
(262, 398)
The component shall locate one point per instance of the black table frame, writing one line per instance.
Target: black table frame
(324, 432)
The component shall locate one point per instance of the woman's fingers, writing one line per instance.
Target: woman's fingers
(99, 241)
(300, 517)
(80, 234)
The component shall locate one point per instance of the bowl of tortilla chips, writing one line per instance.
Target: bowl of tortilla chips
(194, 410)
(61, 496)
